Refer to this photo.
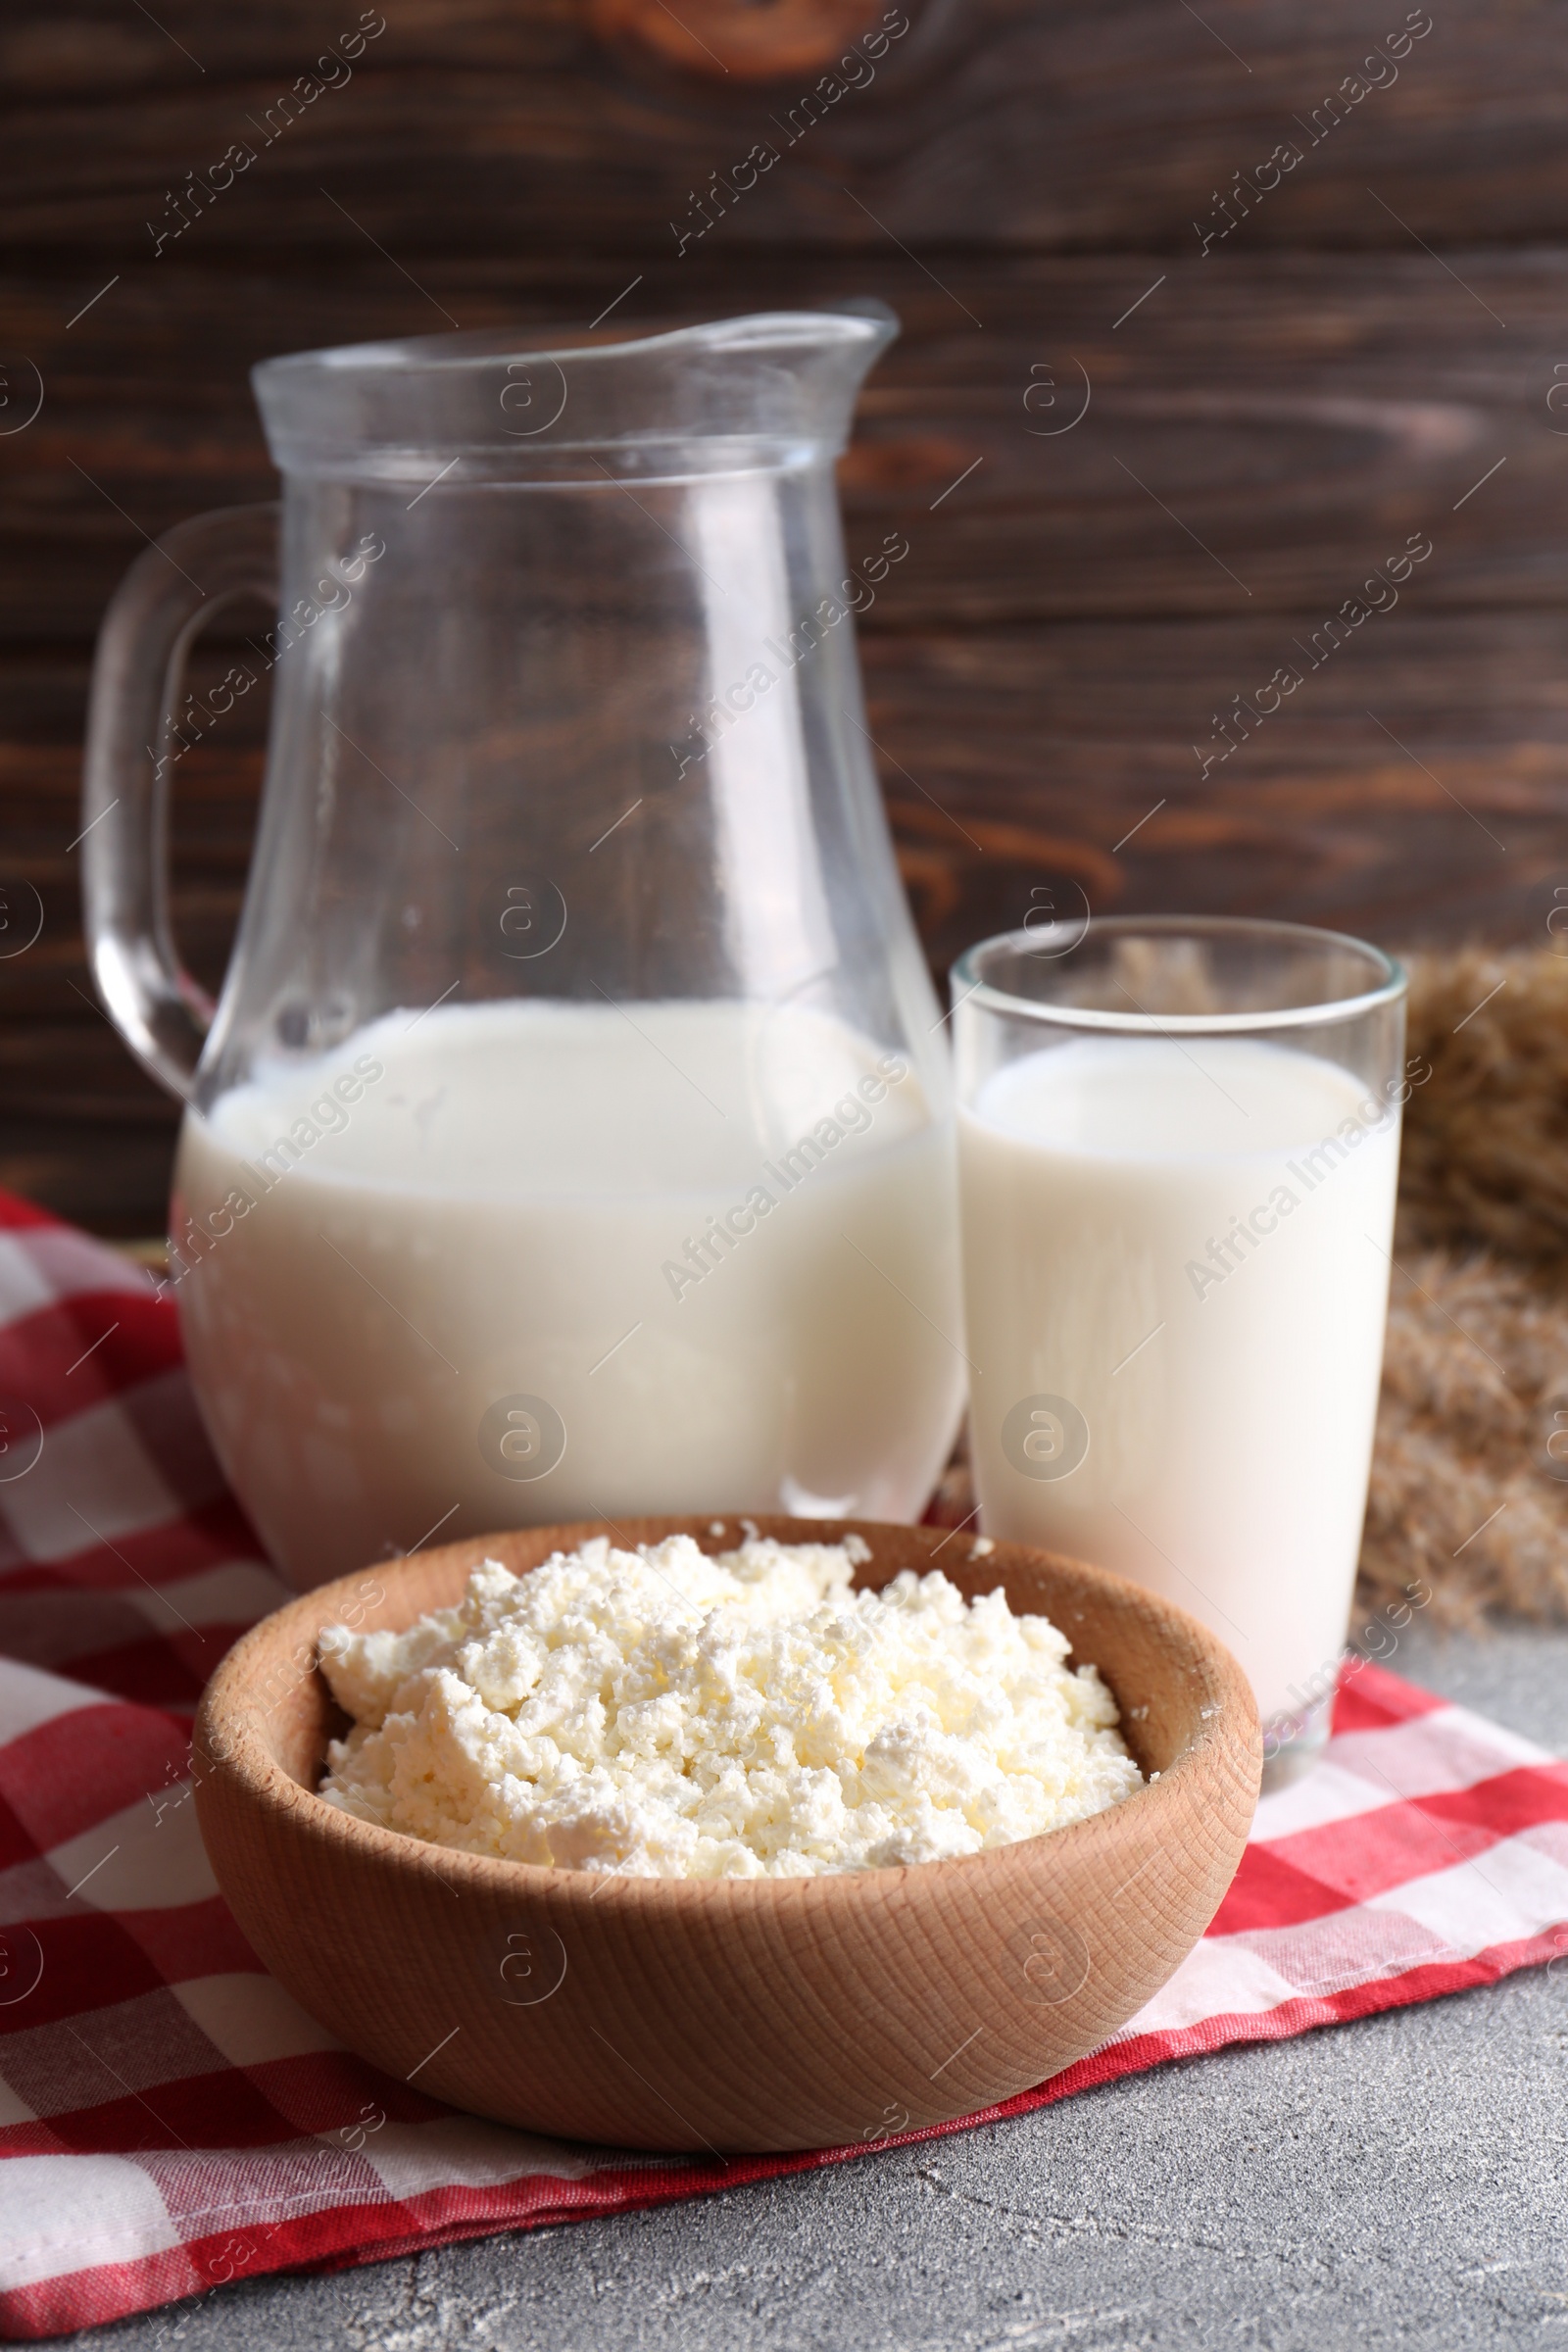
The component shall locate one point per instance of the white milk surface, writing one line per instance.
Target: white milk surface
(1229, 1398)
(503, 1213)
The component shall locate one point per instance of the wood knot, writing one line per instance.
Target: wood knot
(743, 40)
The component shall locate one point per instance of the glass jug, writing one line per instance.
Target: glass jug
(571, 1138)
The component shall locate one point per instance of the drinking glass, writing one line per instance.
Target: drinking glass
(1179, 1144)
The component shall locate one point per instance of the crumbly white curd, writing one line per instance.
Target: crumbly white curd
(667, 1713)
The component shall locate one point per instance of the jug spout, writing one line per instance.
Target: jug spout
(772, 388)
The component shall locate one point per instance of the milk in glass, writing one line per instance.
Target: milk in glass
(1176, 1260)
(546, 1261)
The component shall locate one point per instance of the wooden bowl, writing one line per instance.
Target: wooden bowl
(729, 2014)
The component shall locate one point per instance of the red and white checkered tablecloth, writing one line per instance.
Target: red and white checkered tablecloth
(169, 2121)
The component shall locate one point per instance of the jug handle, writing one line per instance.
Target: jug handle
(161, 607)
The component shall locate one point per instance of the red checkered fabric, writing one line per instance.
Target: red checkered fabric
(170, 2121)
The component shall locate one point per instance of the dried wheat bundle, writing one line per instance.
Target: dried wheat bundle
(1486, 1136)
(1470, 1475)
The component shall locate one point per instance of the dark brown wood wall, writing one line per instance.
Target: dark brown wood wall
(1290, 371)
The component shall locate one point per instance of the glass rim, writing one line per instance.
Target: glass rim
(969, 986)
(784, 333)
(753, 393)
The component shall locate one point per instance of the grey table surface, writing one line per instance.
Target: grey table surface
(1403, 2180)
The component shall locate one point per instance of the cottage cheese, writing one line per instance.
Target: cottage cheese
(670, 1714)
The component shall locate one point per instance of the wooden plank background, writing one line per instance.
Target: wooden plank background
(1064, 203)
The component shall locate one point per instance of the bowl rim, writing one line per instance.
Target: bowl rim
(1231, 1730)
